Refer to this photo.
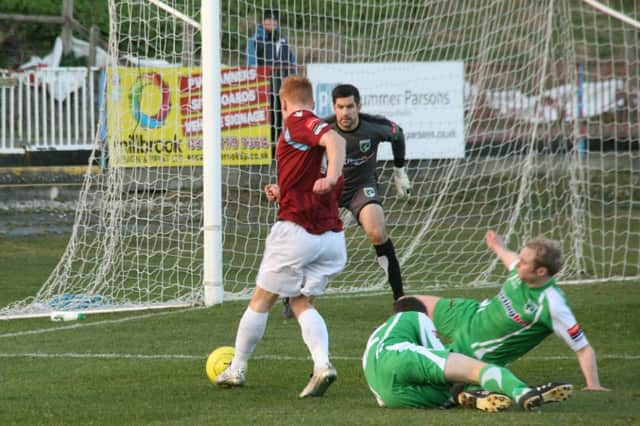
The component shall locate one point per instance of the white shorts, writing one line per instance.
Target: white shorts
(296, 262)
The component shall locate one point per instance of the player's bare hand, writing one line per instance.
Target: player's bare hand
(323, 185)
(494, 240)
(596, 388)
(272, 192)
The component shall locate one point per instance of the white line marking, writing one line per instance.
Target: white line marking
(268, 356)
(79, 325)
(97, 323)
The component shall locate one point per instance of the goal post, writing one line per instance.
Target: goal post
(519, 116)
(211, 158)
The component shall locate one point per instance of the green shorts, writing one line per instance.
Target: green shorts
(409, 375)
(452, 318)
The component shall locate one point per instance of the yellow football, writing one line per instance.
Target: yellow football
(218, 361)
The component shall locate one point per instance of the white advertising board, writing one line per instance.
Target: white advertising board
(424, 98)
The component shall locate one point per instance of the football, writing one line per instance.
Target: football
(218, 361)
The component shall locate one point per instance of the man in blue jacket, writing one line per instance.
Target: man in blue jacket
(267, 47)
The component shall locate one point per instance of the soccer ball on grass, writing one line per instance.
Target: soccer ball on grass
(218, 361)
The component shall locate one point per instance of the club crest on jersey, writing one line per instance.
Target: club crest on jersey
(365, 145)
(369, 191)
(530, 307)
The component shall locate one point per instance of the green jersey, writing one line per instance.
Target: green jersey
(404, 363)
(503, 328)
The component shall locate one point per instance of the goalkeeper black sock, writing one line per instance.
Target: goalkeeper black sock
(389, 262)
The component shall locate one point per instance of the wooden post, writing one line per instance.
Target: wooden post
(67, 14)
(94, 39)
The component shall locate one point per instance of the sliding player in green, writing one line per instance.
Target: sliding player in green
(406, 365)
(528, 308)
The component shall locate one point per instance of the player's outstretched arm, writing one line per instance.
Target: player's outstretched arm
(588, 365)
(335, 146)
(496, 243)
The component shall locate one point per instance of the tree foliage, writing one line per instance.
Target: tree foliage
(21, 40)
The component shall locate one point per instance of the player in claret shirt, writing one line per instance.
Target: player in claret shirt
(528, 308)
(363, 134)
(306, 245)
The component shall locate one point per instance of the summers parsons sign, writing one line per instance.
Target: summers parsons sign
(407, 98)
(426, 99)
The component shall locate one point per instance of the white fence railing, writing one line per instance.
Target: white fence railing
(48, 109)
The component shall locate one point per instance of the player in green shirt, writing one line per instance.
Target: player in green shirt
(406, 365)
(528, 308)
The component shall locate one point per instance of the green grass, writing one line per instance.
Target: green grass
(148, 367)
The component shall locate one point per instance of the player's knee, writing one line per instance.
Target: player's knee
(262, 300)
(377, 236)
(300, 304)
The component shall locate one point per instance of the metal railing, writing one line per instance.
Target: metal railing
(48, 109)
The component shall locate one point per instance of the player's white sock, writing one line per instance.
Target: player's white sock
(315, 336)
(250, 331)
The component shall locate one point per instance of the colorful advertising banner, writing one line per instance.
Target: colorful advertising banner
(155, 116)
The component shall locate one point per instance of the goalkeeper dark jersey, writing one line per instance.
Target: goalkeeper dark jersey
(362, 148)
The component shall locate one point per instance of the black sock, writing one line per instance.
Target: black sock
(389, 262)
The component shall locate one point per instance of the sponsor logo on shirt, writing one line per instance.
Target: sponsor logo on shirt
(575, 332)
(365, 145)
(511, 312)
(358, 161)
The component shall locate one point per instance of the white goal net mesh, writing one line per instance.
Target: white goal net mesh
(548, 143)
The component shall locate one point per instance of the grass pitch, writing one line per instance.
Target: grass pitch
(148, 367)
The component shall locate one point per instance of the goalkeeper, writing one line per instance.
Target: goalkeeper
(363, 133)
(406, 365)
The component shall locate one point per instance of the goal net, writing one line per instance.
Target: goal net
(520, 116)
